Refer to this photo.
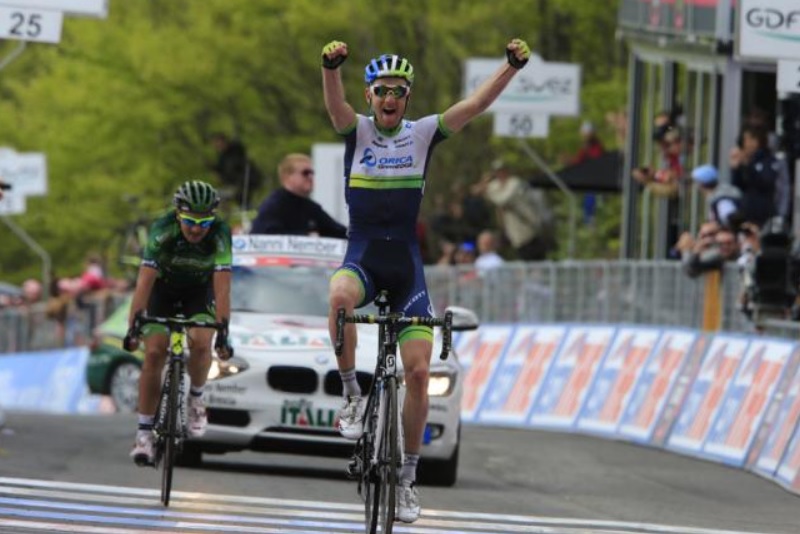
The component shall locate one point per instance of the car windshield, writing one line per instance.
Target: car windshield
(290, 290)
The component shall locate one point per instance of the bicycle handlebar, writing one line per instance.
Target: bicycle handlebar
(445, 323)
(140, 319)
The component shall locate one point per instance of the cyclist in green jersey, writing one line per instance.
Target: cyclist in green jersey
(185, 269)
(386, 157)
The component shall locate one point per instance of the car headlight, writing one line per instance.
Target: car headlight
(440, 383)
(222, 369)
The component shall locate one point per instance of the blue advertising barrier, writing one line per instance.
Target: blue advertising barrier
(47, 381)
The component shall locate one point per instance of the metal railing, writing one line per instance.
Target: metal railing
(625, 291)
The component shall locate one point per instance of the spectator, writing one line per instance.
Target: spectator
(714, 246)
(476, 211)
(762, 178)
(465, 255)
(234, 169)
(591, 148)
(289, 209)
(523, 212)
(723, 201)
(488, 258)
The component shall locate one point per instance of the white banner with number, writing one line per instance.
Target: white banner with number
(521, 125)
(26, 24)
(541, 88)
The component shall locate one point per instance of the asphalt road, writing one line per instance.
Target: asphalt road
(580, 480)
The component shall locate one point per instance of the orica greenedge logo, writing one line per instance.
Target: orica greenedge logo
(774, 23)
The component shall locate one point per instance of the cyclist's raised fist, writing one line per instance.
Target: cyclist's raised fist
(334, 54)
(518, 53)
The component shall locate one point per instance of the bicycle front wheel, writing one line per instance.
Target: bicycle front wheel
(171, 434)
(388, 460)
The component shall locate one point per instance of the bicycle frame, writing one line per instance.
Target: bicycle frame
(169, 426)
(378, 454)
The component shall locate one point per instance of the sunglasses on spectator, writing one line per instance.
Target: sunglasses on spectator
(307, 173)
(202, 222)
(382, 91)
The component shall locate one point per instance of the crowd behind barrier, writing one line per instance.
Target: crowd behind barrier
(607, 292)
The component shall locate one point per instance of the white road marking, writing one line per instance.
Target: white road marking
(41, 505)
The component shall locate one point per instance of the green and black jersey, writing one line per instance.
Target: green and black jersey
(183, 264)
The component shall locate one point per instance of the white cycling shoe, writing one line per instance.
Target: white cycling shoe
(351, 424)
(408, 508)
(198, 419)
(143, 452)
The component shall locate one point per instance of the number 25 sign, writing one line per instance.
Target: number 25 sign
(30, 24)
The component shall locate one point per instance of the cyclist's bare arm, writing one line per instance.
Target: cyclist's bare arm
(222, 295)
(458, 115)
(341, 113)
(144, 286)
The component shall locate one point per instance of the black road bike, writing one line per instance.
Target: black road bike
(378, 453)
(169, 427)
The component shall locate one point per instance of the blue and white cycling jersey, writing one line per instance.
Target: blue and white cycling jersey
(385, 176)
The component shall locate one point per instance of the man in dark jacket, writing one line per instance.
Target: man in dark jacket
(234, 169)
(762, 178)
(290, 210)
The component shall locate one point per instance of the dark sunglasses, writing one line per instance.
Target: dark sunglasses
(382, 91)
(307, 173)
(202, 222)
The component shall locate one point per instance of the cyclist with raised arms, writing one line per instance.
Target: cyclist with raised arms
(386, 157)
(186, 269)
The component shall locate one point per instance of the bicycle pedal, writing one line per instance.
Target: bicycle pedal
(353, 470)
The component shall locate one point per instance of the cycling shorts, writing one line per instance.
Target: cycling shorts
(395, 266)
(192, 302)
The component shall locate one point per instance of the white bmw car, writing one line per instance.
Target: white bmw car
(281, 392)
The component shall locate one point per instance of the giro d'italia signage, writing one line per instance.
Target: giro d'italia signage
(769, 29)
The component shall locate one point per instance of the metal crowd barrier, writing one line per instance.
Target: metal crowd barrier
(625, 291)
(27, 328)
(614, 292)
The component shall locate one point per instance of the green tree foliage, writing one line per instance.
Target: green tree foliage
(124, 106)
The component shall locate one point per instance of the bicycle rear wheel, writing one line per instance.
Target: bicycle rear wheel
(171, 434)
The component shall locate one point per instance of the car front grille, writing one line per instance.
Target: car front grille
(333, 382)
(228, 417)
(292, 379)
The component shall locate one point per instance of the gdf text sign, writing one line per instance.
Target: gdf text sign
(25, 24)
(769, 29)
(541, 88)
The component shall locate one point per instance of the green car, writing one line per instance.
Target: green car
(111, 370)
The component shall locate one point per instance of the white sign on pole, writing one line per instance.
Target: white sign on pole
(788, 76)
(769, 29)
(521, 125)
(540, 88)
(12, 203)
(329, 179)
(91, 8)
(27, 173)
(39, 25)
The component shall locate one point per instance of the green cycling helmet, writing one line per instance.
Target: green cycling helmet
(389, 66)
(196, 196)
